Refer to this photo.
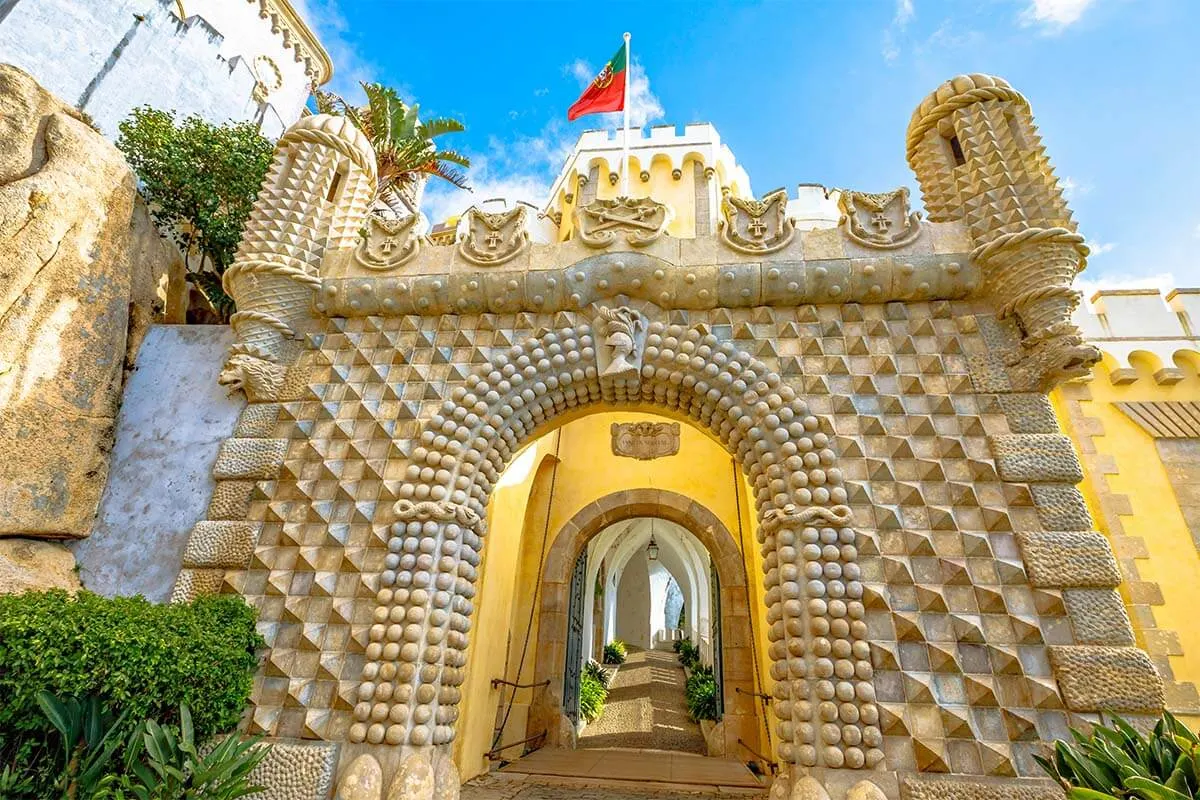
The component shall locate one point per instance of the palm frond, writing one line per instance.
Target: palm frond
(433, 128)
(448, 174)
(403, 144)
(453, 156)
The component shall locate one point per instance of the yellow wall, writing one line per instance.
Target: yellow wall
(1167, 555)
(519, 534)
(497, 585)
(677, 195)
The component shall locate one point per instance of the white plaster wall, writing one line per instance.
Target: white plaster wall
(173, 418)
(97, 54)
(660, 579)
(633, 604)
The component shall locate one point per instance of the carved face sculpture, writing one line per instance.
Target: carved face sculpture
(257, 378)
(22, 104)
(621, 343)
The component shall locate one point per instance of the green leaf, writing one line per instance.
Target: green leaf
(1080, 793)
(57, 713)
(1152, 790)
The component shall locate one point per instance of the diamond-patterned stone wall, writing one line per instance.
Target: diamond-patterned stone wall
(959, 638)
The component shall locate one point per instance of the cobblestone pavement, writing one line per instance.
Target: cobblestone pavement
(646, 708)
(522, 787)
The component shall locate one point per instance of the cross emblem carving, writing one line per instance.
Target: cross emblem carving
(492, 240)
(388, 245)
(756, 228)
(881, 222)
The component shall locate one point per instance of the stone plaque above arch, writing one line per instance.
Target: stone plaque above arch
(645, 440)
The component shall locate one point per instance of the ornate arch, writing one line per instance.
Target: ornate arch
(823, 692)
(572, 538)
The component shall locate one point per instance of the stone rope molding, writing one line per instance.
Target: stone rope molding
(962, 92)
(1032, 236)
(331, 140)
(261, 267)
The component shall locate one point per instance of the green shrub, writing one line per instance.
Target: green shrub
(701, 693)
(592, 695)
(614, 652)
(1116, 762)
(689, 654)
(594, 670)
(142, 659)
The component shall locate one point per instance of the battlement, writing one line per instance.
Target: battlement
(698, 141)
(1133, 324)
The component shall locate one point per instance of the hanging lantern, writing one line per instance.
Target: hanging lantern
(652, 548)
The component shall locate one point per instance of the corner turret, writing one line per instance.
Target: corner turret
(313, 199)
(978, 158)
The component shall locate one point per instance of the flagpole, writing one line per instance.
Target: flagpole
(625, 138)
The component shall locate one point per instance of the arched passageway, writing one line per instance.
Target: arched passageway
(741, 719)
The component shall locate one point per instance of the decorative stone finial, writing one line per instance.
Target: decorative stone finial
(275, 271)
(975, 150)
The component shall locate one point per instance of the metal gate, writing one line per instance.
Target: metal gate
(574, 665)
(714, 606)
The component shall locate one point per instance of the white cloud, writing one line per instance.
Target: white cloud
(1054, 14)
(900, 19)
(1100, 248)
(518, 169)
(487, 182)
(583, 71)
(1163, 281)
(349, 67)
(1073, 189)
(1196, 231)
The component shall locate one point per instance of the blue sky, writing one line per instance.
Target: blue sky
(815, 92)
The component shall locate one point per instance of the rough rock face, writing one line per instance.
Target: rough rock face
(30, 564)
(78, 260)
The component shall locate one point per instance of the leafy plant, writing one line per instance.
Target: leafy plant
(592, 695)
(689, 654)
(405, 151)
(700, 692)
(594, 670)
(129, 654)
(1116, 762)
(614, 652)
(90, 737)
(175, 769)
(200, 181)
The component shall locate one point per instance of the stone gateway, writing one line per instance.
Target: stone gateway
(928, 599)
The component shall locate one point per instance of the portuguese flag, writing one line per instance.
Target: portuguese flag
(606, 92)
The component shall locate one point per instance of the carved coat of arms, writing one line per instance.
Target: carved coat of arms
(645, 440)
(387, 243)
(881, 221)
(640, 221)
(756, 226)
(492, 239)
